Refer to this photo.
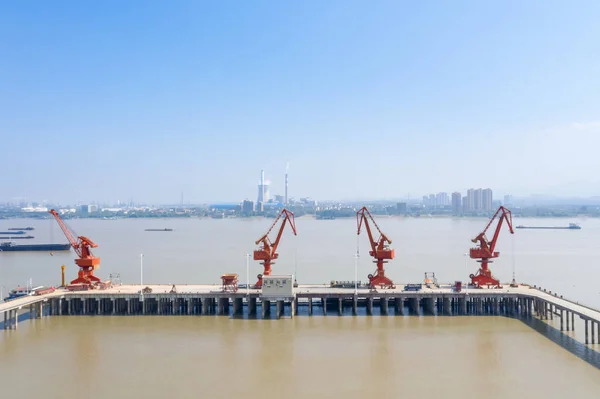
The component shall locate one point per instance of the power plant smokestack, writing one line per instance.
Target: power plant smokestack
(285, 201)
(262, 186)
(263, 189)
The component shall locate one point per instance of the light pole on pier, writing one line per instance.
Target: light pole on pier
(356, 255)
(295, 283)
(356, 273)
(247, 274)
(142, 275)
(467, 269)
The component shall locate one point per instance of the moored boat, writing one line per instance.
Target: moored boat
(20, 292)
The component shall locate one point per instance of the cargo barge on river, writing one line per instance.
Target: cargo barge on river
(571, 226)
(11, 246)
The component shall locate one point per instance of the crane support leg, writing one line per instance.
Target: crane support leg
(258, 284)
(86, 276)
(484, 278)
(379, 280)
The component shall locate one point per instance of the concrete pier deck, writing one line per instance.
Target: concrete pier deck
(191, 299)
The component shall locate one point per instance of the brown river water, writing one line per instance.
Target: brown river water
(306, 357)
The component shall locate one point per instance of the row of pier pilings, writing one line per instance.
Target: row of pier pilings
(545, 310)
(447, 305)
(253, 305)
(168, 305)
(11, 317)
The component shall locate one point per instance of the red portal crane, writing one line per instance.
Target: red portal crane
(485, 251)
(86, 261)
(380, 250)
(267, 252)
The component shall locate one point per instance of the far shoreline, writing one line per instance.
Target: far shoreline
(108, 218)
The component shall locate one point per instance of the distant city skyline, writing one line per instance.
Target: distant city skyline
(273, 192)
(574, 189)
(454, 199)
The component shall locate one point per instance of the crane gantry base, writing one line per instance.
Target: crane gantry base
(85, 276)
(484, 278)
(379, 281)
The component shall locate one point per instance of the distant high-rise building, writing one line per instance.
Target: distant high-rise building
(247, 207)
(478, 205)
(432, 201)
(442, 199)
(456, 203)
(85, 209)
(486, 199)
(508, 200)
(279, 199)
(425, 200)
(465, 204)
(401, 208)
(92, 208)
(470, 199)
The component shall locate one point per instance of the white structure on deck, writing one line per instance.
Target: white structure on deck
(278, 287)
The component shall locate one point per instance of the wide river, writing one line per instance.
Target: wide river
(200, 250)
(319, 357)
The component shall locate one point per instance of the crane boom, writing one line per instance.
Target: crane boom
(380, 249)
(66, 231)
(86, 261)
(267, 251)
(361, 218)
(486, 249)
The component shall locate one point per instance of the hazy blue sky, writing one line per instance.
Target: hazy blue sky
(110, 100)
